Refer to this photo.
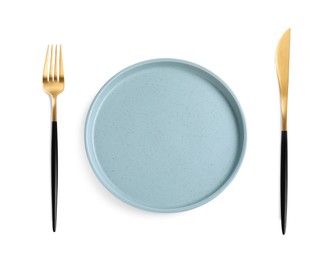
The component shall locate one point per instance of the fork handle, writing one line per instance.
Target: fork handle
(284, 180)
(54, 173)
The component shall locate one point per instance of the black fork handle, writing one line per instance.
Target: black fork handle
(54, 173)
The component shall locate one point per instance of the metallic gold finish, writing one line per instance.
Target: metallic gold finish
(53, 76)
(282, 68)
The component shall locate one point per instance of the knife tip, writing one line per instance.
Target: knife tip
(287, 32)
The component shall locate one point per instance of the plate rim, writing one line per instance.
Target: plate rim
(93, 159)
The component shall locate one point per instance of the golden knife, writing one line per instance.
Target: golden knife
(282, 68)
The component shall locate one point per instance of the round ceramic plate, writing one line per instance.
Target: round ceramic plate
(165, 135)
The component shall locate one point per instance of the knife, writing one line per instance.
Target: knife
(282, 68)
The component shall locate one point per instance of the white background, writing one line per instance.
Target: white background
(234, 39)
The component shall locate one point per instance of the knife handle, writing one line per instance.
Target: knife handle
(54, 174)
(284, 180)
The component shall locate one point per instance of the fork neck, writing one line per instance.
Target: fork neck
(54, 108)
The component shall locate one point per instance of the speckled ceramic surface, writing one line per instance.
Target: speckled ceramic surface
(165, 135)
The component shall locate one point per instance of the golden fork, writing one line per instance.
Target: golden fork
(53, 84)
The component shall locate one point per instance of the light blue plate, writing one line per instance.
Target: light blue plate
(165, 135)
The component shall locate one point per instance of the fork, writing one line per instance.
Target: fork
(53, 85)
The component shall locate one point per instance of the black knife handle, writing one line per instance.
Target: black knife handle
(284, 180)
(54, 174)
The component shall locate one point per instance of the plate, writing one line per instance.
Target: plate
(165, 135)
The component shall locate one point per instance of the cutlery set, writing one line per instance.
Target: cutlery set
(171, 138)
